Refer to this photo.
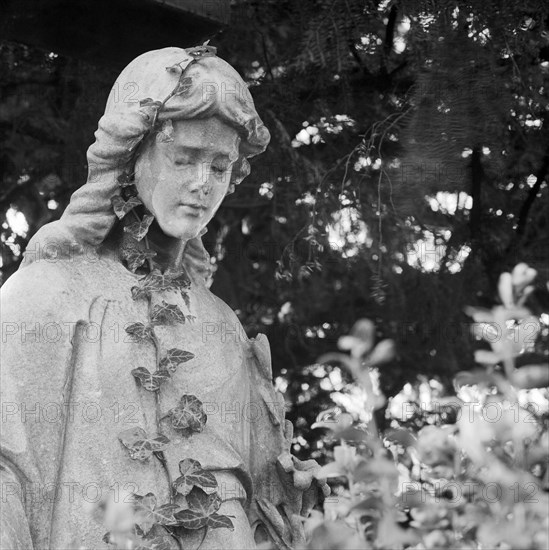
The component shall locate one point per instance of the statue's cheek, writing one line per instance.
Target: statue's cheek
(163, 204)
(163, 193)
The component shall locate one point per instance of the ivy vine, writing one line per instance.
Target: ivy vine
(194, 501)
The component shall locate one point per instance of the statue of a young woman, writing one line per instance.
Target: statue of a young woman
(123, 378)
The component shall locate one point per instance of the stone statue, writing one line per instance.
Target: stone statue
(126, 384)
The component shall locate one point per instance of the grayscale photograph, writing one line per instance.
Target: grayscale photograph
(274, 275)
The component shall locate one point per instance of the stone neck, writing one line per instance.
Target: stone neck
(169, 251)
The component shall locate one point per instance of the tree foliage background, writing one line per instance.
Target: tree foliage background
(408, 168)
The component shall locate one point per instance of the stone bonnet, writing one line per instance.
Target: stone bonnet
(167, 84)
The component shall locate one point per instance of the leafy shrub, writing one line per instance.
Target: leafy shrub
(465, 471)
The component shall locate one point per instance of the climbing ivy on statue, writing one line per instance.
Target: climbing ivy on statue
(194, 501)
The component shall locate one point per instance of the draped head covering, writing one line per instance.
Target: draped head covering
(171, 84)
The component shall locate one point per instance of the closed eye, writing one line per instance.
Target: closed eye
(181, 162)
(219, 169)
(220, 165)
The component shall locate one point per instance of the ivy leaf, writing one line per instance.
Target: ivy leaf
(122, 538)
(186, 298)
(128, 192)
(181, 66)
(174, 358)
(167, 314)
(202, 51)
(139, 229)
(150, 108)
(201, 507)
(188, 416)
(156, 281)
(125, 179)
(158, 538)
(139, 331)
(147, 514)
(148, 102)
(158, 542)
(183, 86)
(179, 278)
(146, 286)
(189, 519)
(192, 474)
(122, 207)
(139, 445)
(144, 511)
(135, 257)
(217, 521)
(151, 381)
(165, 134)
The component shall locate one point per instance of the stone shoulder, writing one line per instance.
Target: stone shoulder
(233, 326)
(224, 307)
(258, 347)
(41, 292)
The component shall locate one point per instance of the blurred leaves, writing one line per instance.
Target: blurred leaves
(452, 470)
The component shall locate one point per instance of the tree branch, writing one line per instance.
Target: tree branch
(389, 38)
(476, 185)
(390, 30)
(532, 194)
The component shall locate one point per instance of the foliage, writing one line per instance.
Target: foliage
(467, 471)
(408, 167)
(146, 525)
(139, 445)
(192, 474)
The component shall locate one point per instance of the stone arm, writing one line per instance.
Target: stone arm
(298, 478)
(35, 350)
(14, 526)
(285, 489)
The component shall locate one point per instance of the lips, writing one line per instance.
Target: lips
(194, 208)
(195, 205)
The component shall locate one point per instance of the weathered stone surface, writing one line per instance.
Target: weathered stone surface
(109, 328)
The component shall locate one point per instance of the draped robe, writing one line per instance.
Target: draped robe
(67, 392)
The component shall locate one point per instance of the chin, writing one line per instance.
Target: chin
(181, 231)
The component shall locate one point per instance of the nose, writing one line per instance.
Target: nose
(198, 180)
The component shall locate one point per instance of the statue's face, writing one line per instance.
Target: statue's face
(183, 182)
